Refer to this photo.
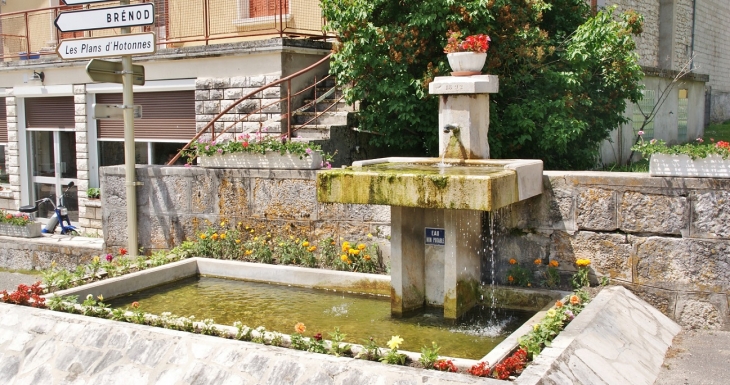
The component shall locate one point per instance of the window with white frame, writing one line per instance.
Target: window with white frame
(262, 11)
(682, 107)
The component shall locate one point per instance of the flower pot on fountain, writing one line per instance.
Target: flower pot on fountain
(438, 204)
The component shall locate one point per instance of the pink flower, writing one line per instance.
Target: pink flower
(207, 148)
(188, 165)
(701, 140)
(220, 150)
(308, 150)
(109, 257)
(640, 133)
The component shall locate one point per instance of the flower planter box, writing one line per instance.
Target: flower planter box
(32, 230)
(713, 166)
(269, 160)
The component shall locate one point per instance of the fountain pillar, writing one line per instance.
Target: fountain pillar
(464, 104)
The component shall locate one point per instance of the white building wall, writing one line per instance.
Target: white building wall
(712, 53)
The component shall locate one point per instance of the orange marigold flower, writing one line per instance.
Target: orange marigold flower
(249, 252)
(538, 261)
(305, 244)
(223, 236)
(511, 279)
(361, 246)
(203, 236)
(574, 299)
(300, 328)
(135, 305)
(312, 248)
(559, 304)
(215, 236)
(554, 263)
(345, 246)
(583, 262)
(344, 258)
(366, 257)
(512, 261)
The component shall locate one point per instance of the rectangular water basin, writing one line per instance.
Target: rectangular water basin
(355, 303)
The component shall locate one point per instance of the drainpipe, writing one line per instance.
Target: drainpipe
(692, 43)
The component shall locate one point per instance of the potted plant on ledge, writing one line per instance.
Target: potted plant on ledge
(258, 151)
(698, 159)
(18, 225)
(466, 56)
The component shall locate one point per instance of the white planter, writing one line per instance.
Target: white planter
(714, 166)
(31, 230)
(270, 160)
(466, 63)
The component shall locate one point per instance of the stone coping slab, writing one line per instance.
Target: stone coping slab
(617, 339)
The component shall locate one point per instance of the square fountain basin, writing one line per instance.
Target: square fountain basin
(483, 184)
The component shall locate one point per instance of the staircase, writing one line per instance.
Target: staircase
(327, 112)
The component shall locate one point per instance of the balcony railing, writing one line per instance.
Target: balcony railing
(30, 34)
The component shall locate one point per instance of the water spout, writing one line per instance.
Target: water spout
(453, 128)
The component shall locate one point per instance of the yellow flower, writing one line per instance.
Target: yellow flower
(538, 261)
(366, 257)
(223, 224)
(255, 238)
(281, 244)
(345, 246)
(300, 328)
(354, 251)
(223, 236)
(361, 246)
(554, 263)
(535, 327)
(512, 261)
(583, 262)
(203, 236)
(214, 236)
(395, 342)
(238, 241)
(370, 235)
(312, 248)
(249, 252)
(252, 230)
(344, 258)
(551, 313)
(240, 223)
(291, 237)
(305, 244)
(95, 259)
(100, 297)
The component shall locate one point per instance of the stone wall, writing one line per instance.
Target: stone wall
(712, 50)
(175, 202)
(666, 239)
(647, 44)
(39, 253)
(214, 95)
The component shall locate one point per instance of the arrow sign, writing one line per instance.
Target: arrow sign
(87, 48)
(75, 2)
(111, 72)
(114, 111)
(103, 18)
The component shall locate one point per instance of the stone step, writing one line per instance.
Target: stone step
(325, 103)
(322, 118)
(313, 132)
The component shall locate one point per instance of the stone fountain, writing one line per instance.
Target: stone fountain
(438, 204)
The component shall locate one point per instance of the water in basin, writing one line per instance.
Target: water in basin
(279, 308)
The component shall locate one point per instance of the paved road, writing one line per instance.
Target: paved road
(699, 357)
(9, 281)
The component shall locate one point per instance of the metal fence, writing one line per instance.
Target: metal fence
(30, 34)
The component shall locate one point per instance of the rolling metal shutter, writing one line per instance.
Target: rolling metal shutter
(58, 112)
(166, 115)
(3, 122)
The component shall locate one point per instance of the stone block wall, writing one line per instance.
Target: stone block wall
(666, 239)
(214, 95)
(712, 50)
(647, 44)
(175, 202)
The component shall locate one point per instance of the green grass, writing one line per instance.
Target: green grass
(640, 166)
(718, 131)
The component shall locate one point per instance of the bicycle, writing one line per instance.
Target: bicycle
(60, 214)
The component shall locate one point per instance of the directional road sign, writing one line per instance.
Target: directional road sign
(111, 72)
(114, 111)
(87, 48)
(75, 2)
(103, 18)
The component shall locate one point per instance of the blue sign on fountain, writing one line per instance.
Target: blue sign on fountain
(435, 236)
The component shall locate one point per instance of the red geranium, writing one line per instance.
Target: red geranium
(474, 43)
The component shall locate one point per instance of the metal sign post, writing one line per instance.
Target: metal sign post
(129, 156)
(124, 16)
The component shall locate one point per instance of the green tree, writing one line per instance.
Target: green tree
(564, 76)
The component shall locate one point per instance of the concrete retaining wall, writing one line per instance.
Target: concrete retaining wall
(39, 253)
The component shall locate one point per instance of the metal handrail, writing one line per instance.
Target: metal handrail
(288, 115)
